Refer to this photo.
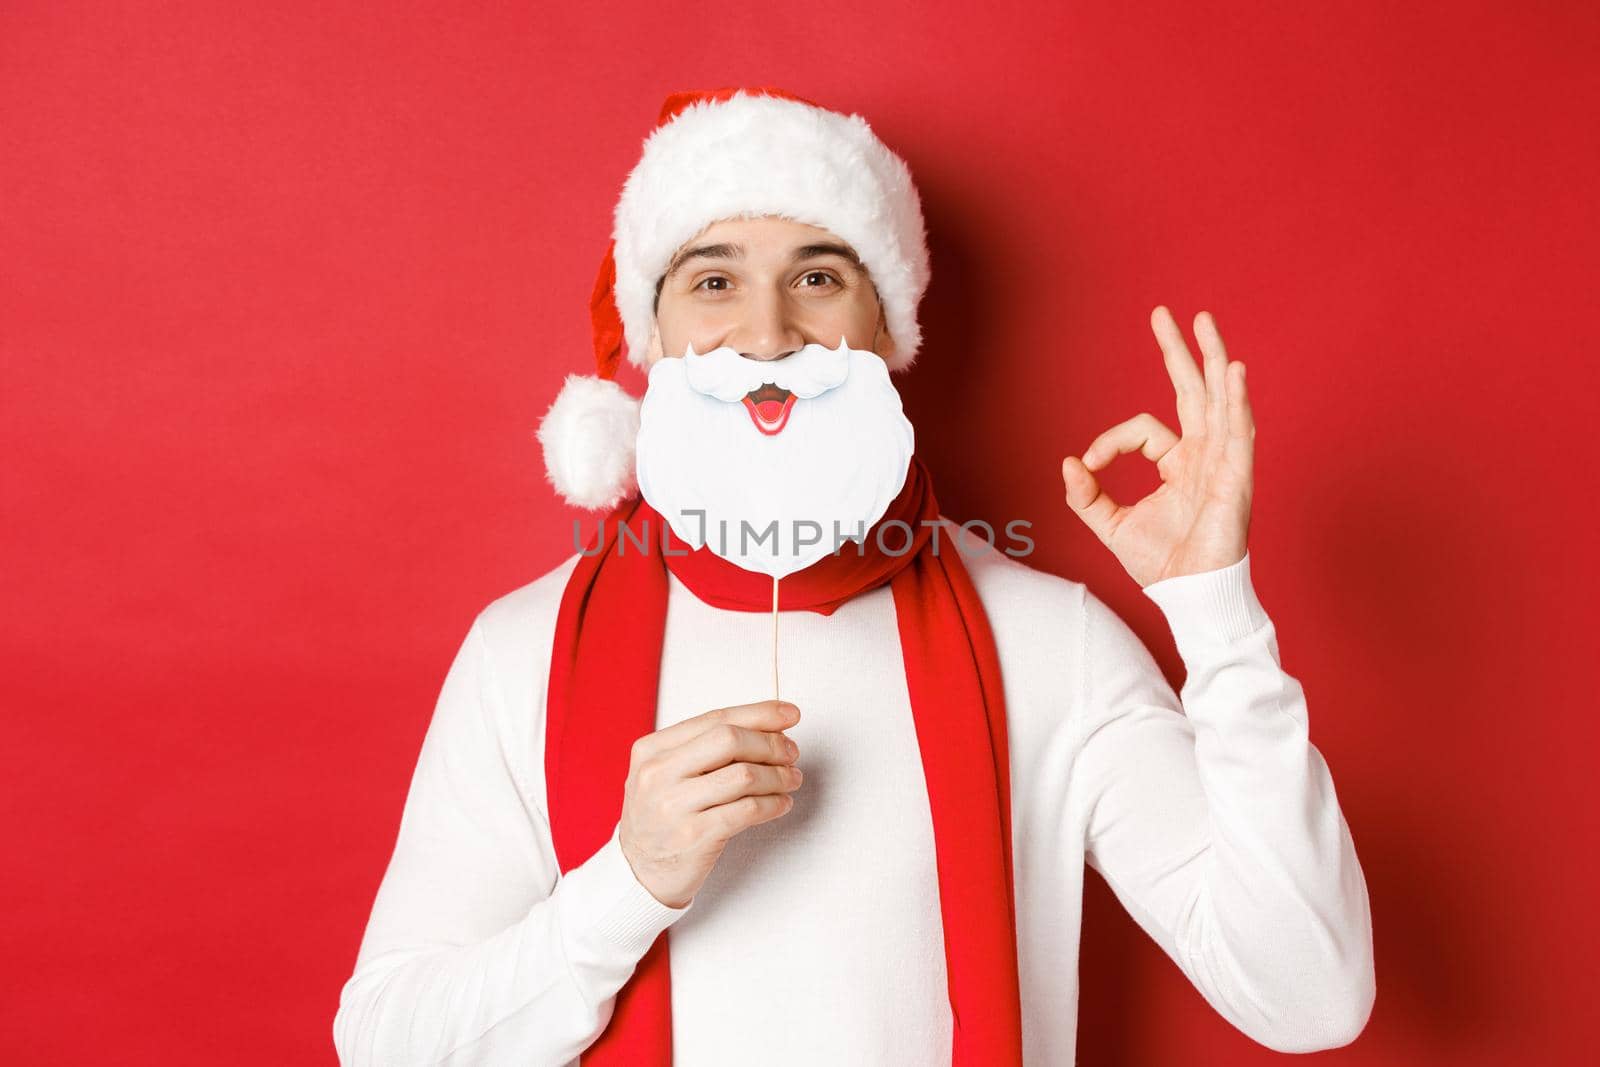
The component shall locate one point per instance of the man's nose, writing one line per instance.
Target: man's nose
(764, 357)
(768, 334)
(768, 359)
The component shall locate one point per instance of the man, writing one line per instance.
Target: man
(616, 847)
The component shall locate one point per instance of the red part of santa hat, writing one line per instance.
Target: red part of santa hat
(716, 154)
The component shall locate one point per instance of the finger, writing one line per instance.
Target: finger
(738, 780)
(725, 743)
(761, 715)
(1216, 363)
(1241, 418)
(1085, 497)
(741, 814)
(1241, 423)
(1143, 433)
(1187, 381)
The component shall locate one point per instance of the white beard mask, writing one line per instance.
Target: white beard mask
(772, 464)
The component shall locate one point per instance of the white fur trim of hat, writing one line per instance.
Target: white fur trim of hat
(754, 155)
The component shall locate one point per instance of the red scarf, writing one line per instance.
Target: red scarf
(607, 656)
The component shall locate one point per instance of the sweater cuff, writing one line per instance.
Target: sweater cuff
(1210, 606)
(605, 907)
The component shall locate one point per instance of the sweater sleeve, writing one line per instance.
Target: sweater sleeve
(475, 952)
(1215, 823)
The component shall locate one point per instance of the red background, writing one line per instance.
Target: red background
(284, 290)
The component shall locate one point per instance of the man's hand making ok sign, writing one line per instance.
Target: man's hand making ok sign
(1197, 520)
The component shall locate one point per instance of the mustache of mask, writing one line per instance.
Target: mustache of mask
(725, 374)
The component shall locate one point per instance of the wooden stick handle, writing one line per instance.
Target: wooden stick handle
(774, 637)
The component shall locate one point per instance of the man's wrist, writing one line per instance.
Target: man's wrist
(606, 907)
(1218, 605)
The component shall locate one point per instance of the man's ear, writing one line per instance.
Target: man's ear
(653, 352)
(882, 339)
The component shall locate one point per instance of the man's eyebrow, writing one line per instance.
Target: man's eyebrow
(717, 251)
(826, 248)
(727, 250)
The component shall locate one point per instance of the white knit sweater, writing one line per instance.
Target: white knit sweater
(817, 938)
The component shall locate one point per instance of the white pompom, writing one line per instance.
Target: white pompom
(588, 436)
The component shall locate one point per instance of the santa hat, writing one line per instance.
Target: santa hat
(718, 154)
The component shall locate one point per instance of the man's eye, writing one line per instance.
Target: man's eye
(824, 275)
(713, 278)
